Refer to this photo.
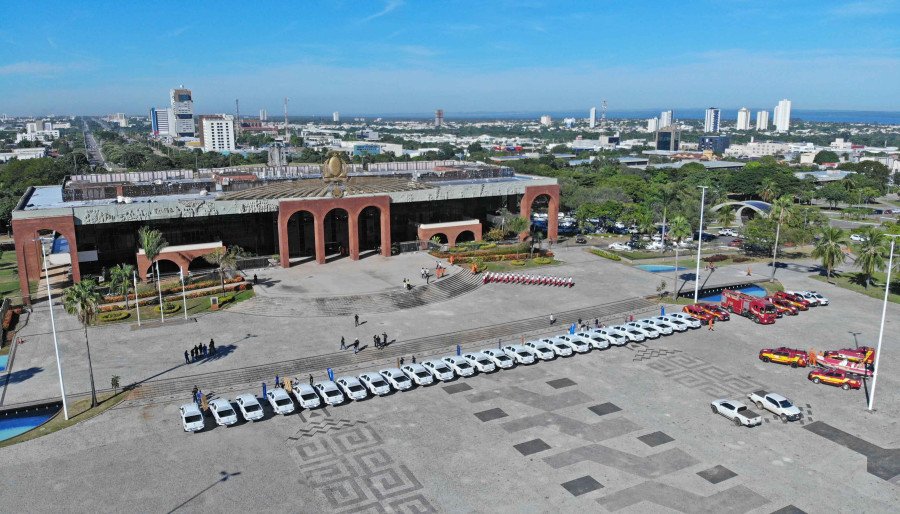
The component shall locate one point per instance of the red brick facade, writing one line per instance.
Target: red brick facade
(531, 193)
(451, 233)
(182, 259)
(28, 250)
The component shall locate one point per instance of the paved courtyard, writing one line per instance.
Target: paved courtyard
(621, 430)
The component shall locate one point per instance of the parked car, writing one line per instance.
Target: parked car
(305, 394)
(632, 334)
(597, 341)
(715, 310)
(727, 232)
(418, 374)
(613, 336)
(736, 243)
(577, 343)
(685, 318)
(499, 358)
(810, 299)
(777, 404)
(459, 365)
(329, 392)
(222, 412)
(783, 306)
(352, 388)
(375, 383)
(191, 417)
(736, 412)
(674, 324)
(619, 247)
(541, 350)
(440, 370)
(782, 355)
(249, 407)
(520, 354)
(858, 238)
(559, 347)
(834, 377)
(696, 311)
(580, 239)
(821, 299)
(481, 362)
(796, 300)
(649, 331)
(280, 401)
(397, 378)
(706, 236)
(663, 328)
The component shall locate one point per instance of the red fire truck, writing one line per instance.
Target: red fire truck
(757, 309)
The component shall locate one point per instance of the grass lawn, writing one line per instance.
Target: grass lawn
(9, 276)
(195, 306)
(78, 411)
(505, 266)
(853, 282)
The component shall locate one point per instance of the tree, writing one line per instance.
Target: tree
(516, 225)
(81, 300)
(833, 193)
(536, 240)
(825, 156)
(725, 216)
(474, 148)
(768, 190)
(678, 230)
(829, 248)
(114, 383)
(120, 279)
(871, 253)
(224, 260)
(152, 242)
(781, 212)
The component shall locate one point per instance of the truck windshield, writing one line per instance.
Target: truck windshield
(785, 404)
(769, 308)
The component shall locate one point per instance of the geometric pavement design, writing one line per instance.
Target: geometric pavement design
(716, 474)
(351, 471)
(702, 376)
(324, 427)
(884, 463)
(737, 500)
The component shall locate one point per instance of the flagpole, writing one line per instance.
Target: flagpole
(183, 296)
(62, 387)
(137, 301)
(887, 292)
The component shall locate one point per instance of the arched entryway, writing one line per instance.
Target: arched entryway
(442, 238)
(369, 231)
(201, 266)
(301, 237)
(545, 201)
(167, 268)
(337, 234)
(465, 236)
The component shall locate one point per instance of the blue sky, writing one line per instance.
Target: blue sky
(396, 56)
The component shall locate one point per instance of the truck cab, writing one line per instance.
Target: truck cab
(752, 307)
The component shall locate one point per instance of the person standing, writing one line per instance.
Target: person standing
(356, 320)
(356, 346)
(712, 320)
(413, 359)
(384, 338)
(552, 319)
(212, 347)
(194, 394)
(343, 343)
(376, 341)
(310, 380)
(186, 359)
(401, 361)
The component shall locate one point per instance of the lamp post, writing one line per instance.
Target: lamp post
(137, 300)
(62, 387)
(162, 314)
(699, 243)
(887, 292)
(183, 296)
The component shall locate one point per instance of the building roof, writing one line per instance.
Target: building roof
(319, 189)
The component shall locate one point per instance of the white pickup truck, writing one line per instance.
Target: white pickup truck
(736, 412)
(777, 404)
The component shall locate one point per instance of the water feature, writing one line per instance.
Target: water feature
(4, 359)
(658, 268)
(751, 290)
(17, 424)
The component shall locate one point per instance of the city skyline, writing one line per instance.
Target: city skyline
(384, 57)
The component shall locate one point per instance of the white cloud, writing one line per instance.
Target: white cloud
(389, 6)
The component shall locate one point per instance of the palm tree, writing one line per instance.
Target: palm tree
(666, 194)
(516, 225)
(829, 248)
(768, 190)
(81, 300)
(224, 260)
(870, 254)
(725, 216)
(781, 210)
(678, 230)
(152, 242)
(536, 240)
(120, 277)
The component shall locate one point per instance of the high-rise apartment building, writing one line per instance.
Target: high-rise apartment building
(217, 133)
(783, 116)
(162, 121)
(762, 120)
(593, 117)
(665, 118)
(715, 144)
(743, 119)
(546, 120)
(336, 117)
(652, 124)
(263, 115)
(183, 109)
(439, 118)
(711, 124)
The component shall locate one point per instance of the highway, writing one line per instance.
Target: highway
(95, 157)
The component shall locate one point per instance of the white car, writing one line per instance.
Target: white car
(249, 406)
(777, 404)
(576, 342)
(560, 347)
(727, 232)
(481, 362)
(821, 299)
(813, 301)
(648, 331)
(520, 354)
(222, 412)
(736, 412)
(397, 378)
(305, 394)
(191, 417)
(690, 320)
(280, 401)
(613, 336)
(621, 247)
(654, 246)
(675, 325)
(329, 392)
(459, 365)
(375, 383)
(499, 358)
(541, 350)
(439, 369)
(352, 388)
(858, 238)
(631, 334)
(418, 374)
(596, 340)
(663, 328)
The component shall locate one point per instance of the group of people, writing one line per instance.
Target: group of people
(379, 341)
(200, 351)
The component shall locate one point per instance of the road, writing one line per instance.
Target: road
(95, 156)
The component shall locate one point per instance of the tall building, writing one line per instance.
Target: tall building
(217, 133)
(668, 138)
(743, 119)
(762, 120)
(783, 116)
(336, 117)
(546, 120)
(263, 115)
(162, 121)
(716, 144)
(665, 118)
(652, 124)
(713, 115)
(438, 118)
(183, 108)
(593, 117)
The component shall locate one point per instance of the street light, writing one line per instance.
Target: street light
(183, 296)
(699, 243)
(62, 387)
(887, 292)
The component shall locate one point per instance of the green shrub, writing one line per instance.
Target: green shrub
(226, 298)
(488, 246)
(739, 259)
(716, 258)
(169, 308)
(606, 255)
(540, 261)
(517, 262)
(113, 316)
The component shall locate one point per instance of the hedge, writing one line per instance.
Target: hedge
(606, 255)
(203, 284)
(169, 308)
(716, 258)
(542, 260)
(113, 316)
(517, 263)
(484, 252)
